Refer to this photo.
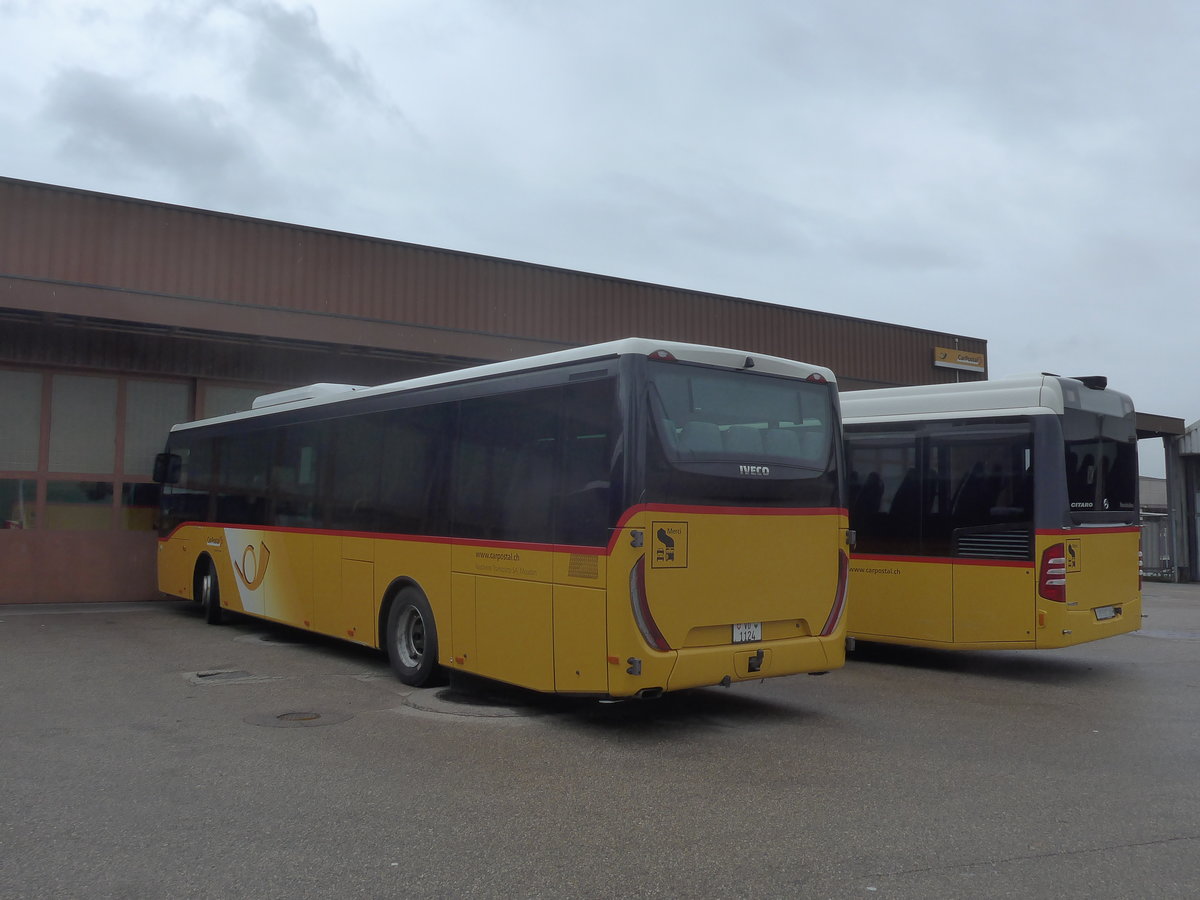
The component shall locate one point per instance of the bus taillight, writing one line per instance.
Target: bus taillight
(641, 607)
(839, 599)
(1052, 578)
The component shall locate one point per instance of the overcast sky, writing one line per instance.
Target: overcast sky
(1027, 171)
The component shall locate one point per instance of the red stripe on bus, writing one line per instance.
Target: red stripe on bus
(576, 549)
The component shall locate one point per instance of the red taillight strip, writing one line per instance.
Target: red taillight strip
(641, 607)
(839, 599)
(1052, 575)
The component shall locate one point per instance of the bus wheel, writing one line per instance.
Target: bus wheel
(412, 644)
(208, 592)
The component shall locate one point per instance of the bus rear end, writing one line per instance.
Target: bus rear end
(1088, 585)
(731, 565)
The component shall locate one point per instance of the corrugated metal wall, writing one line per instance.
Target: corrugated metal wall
(69, 237)
(158, 352)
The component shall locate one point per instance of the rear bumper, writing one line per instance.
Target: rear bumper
(701, 666)
(1079, 626)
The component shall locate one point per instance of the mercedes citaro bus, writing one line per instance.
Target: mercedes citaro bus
(614, 520)
(993, 514)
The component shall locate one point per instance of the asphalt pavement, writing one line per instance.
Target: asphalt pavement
(147, 754)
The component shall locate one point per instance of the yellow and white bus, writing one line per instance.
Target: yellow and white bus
(995, 514)
(615, 520)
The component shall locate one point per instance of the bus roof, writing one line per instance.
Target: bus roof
(323, 394)
(1043, 394)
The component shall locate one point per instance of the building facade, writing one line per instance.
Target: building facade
(120, 317)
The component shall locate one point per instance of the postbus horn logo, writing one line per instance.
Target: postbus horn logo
(252, 571)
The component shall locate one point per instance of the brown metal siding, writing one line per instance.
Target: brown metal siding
(69, 344)
(235, 265)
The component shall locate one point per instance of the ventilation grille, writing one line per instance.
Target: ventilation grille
(995, 545)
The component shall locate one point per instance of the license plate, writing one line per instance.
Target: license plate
(746, 632)
(1107, 612)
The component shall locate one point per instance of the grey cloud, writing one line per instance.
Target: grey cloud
(119, 127)
(293, 65)
(287, 66)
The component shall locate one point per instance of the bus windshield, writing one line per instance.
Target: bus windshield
(728, 437)
(710, 416)
(1101, 458)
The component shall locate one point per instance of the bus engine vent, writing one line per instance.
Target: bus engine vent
(994, 544)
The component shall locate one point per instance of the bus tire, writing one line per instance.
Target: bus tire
(412, 645)
(208, 593)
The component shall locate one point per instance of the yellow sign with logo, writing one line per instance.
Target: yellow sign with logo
(1074, 555)
(946, 358)
(668, 545)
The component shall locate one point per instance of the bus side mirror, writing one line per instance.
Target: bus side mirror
(167, 467)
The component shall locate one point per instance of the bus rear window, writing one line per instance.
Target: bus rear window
(1102, 468)
(708, 416)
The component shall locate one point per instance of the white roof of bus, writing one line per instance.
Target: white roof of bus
(321, 394)
(1016, 395)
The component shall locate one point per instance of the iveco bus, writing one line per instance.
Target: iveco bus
(615, 520)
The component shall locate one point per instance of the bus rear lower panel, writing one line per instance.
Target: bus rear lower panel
(1081, 585)
(701, 596)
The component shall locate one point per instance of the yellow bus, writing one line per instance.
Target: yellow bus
(996, 514)
(616, 520)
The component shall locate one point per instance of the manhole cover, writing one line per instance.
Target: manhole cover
(453, 702)
(457, 697)
(296, 719)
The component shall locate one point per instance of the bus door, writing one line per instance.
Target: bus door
(344, 587)
(901, 583)
(344, 564)
(985, 495)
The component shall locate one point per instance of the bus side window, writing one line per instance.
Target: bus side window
(294, 477)
(187, 499)
(354, 475)
(506, 466)
(887, 499)
(590, 465)
(527, 514)
(412, 441)
(243, 467)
